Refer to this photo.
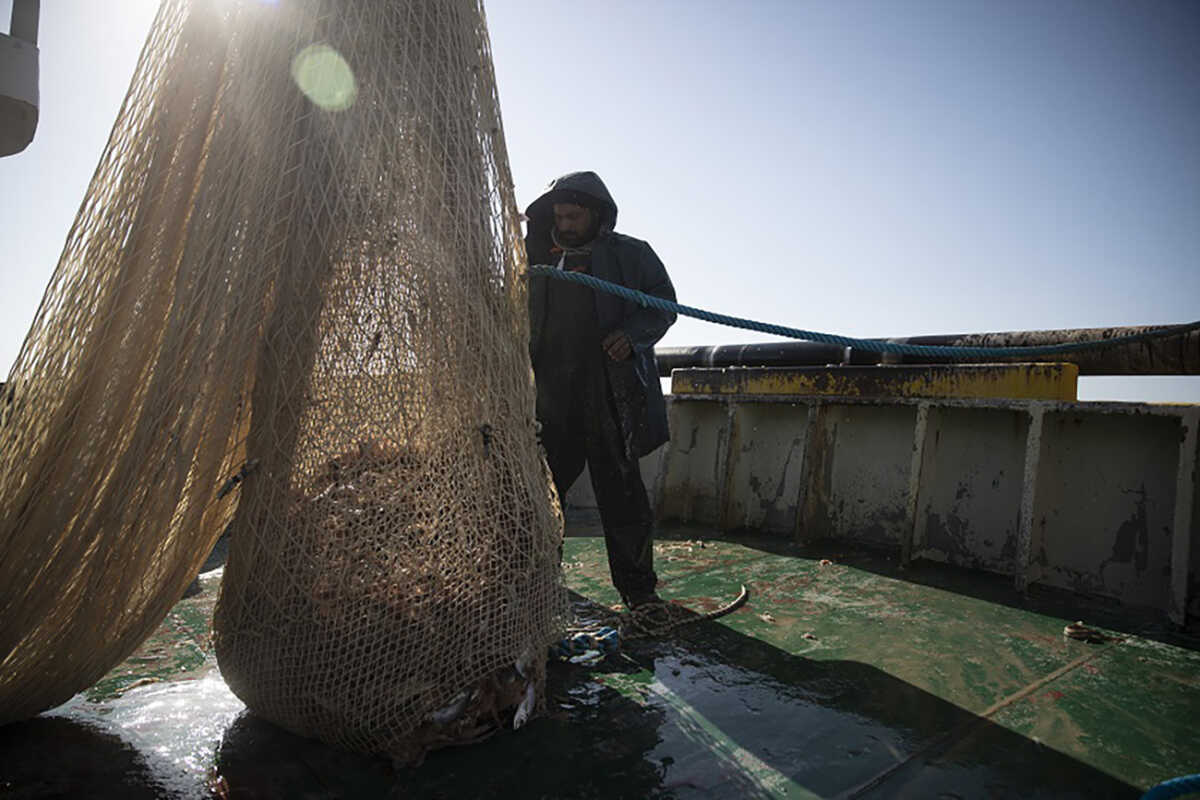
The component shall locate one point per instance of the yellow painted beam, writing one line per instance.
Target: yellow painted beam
(979, 381)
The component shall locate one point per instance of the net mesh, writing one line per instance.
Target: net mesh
(298, 262)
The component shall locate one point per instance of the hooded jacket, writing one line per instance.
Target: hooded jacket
(619, 259)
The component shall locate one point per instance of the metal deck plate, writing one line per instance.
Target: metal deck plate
(846, 678)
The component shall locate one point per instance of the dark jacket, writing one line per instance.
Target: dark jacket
(619, 259)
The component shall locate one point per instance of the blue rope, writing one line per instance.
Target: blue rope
(1176, 787)
(869, 345)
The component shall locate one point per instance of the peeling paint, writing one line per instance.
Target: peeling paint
(1132, 540)
(1086, 501)
(1024, 381)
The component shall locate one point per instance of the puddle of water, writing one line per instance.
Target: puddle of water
(153, 741)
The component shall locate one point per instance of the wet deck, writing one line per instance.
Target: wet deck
(845, 678)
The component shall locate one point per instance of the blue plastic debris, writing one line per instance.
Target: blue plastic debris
(587, 647)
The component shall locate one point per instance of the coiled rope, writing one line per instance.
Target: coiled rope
(869, 345)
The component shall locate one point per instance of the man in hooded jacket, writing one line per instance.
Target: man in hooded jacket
(598, 394)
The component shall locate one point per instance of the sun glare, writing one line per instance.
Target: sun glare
(325, 77)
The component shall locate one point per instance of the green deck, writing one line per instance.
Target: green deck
(841, 679)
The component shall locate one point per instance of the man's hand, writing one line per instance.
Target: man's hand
(617, 345)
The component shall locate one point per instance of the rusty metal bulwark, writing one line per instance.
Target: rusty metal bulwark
(1013, 381)
(1168, 355)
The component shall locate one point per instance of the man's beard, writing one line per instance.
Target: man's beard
(572, 238)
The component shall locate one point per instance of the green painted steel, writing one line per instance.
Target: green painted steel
(843, 676)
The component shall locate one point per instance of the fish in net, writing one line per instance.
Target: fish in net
(299, 262)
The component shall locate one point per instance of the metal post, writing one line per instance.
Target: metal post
(1024, 569)
(1181, 534)
(917, 477)
(813, 469)
(25, 20)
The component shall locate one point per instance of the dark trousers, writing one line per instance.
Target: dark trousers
(580, 426)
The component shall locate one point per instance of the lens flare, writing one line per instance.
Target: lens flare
(325, 77)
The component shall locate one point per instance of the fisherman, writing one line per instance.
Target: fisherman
(598, 394)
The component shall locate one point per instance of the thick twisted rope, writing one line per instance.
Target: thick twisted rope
(869, 345)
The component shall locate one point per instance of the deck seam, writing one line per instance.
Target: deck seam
(961, 731)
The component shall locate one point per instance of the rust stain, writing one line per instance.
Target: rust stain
(1045, 381)
(1132, 541)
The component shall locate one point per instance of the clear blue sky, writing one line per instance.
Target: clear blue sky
(867, 168)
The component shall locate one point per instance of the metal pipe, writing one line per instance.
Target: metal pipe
(1169, 355)
(24, 23)
(767, 354)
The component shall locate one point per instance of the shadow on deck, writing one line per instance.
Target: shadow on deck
(836, 680)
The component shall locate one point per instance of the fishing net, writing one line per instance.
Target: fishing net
(291, 305)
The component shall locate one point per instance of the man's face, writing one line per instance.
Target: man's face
(573, 223)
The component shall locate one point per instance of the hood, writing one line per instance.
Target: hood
(581, 188)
